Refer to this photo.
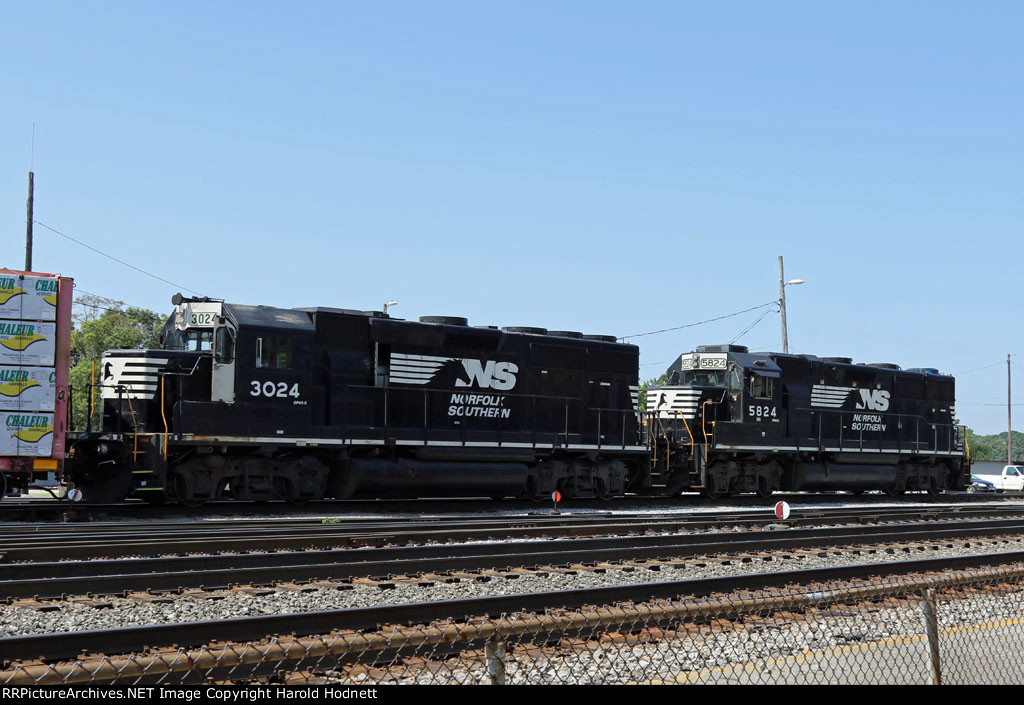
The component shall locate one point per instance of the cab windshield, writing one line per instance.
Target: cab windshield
(191, 339)
(198, 340)
(704, 378)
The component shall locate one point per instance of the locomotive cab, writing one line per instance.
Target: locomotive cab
(259, 361)
(714, 386)
(202, 326)
(140, 388)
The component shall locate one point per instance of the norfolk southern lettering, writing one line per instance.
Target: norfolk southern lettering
(489, 406)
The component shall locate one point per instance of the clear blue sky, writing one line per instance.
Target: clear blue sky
(608, 167)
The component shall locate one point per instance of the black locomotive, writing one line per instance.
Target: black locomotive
(734, 421)
(260, 403)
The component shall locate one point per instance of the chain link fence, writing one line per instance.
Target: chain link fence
(963, 628)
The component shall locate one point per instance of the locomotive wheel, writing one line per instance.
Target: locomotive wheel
(933, 487)
(3, 485)
(894, 491)
(763, 490)
(183, 493)
(532, 493)
(710, 491)
(285, 489)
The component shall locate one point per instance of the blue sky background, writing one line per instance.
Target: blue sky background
(607, 167)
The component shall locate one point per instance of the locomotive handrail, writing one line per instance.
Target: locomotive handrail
(952, 431)
(704, 426)
(703, 422)
(163, 415)
(392, 427)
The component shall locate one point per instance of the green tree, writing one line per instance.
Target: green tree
(994, 447)
(110, 326)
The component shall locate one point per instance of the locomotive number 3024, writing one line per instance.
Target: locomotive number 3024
(271, 389)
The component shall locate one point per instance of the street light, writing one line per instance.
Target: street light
(782, 304)
(388, 305)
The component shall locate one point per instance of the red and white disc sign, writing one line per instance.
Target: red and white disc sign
(75, 495)
(556, 496)
(782, 511)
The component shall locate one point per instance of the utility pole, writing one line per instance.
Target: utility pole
(1009, 422)
(28, 230)
(782, 308)
(782, 304)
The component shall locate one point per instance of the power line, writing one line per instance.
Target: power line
(750, 327)
(99, 252)
(978, 369)
(979, 403)
(79, 302)
(700, 323)
(102, 298)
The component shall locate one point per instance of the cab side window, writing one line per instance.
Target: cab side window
(735, 380)
(224, 347)
(761, 387)
(274, 353)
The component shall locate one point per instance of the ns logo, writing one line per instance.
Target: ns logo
(491, 375)
(873, 400)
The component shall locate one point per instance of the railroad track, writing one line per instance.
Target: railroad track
(70, 542)
(54, 647)
(143, 579)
